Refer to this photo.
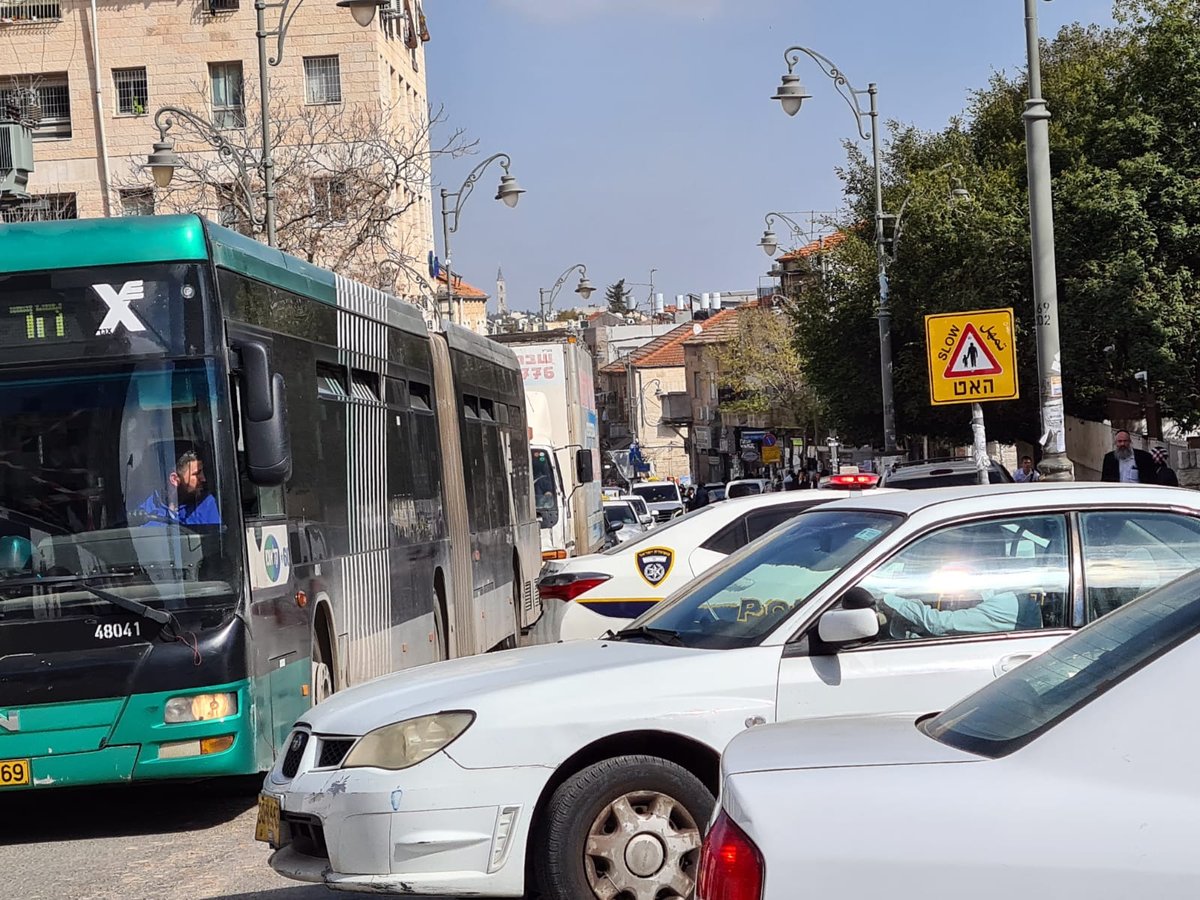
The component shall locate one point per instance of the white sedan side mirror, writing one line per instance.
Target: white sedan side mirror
(848, 626)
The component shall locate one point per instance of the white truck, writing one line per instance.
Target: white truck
(560, 403)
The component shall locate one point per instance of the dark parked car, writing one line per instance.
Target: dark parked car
(930, 473)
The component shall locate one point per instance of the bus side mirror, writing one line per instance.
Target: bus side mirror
(584, 473)
(265, 434)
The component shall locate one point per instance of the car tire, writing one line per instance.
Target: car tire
(632, 822)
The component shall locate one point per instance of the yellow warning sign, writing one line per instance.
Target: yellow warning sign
(972, 357)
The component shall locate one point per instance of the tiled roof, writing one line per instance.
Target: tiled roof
(812, 248)
(649, 354)
(719, 328)
(462, 288)
(666, 350)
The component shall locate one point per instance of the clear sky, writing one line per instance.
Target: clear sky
(644, 133)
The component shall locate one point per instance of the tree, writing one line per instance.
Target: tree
(1126, 170)
(761, 367)
(349, 181)
(618, 297)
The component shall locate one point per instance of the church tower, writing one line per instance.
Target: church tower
(501, 293)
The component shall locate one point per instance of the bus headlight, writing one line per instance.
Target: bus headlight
(405, 744)
(200, 708)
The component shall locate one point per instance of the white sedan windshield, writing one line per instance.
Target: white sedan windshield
(756, 590)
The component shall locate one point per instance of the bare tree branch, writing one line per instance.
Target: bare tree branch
(347, 180)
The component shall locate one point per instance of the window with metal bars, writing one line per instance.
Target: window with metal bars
(329, 197)
(133, 92)
(228, 96)
(137, 202)
(322, 80)
(217, 6)
(53, 98)
(41, 208)
(30, 11)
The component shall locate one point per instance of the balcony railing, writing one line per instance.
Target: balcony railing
(31, 12)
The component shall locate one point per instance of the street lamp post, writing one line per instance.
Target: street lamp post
(770, 241)
(1055, 465)
(508, 191)
(163, 160)
(791, 96)
(584, 289)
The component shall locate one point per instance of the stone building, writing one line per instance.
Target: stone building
(101, 71)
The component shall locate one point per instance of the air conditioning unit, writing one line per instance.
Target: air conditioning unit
(16, 160)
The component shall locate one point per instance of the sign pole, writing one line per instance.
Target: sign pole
(977, 431)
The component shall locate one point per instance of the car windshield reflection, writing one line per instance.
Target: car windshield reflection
(751, 594)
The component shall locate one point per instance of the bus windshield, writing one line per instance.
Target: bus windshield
(109, 476)
(545, 495)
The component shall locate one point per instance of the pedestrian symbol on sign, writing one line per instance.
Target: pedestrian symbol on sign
(971, 357)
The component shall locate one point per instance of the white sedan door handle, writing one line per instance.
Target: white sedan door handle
(1008, 663)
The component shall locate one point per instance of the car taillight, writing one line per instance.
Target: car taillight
(569, 585)
(731, 868)
(859, 480)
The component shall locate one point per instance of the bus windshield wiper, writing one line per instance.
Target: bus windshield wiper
(162, 617)
(658, 635)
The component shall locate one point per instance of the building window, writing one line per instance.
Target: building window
(137, 202)
(41, 208)
(329, 199)
(133, 94)
(30, 11)
(228, 99)
(218, 6)
(50, 95)
(322, 80)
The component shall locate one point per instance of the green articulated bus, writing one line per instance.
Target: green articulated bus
(231, 483)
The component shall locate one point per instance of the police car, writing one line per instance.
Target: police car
(604, 591)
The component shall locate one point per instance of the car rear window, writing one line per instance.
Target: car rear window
(952, 479)
(743, 490)
(657, 493)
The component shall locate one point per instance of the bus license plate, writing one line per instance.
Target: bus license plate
(267, 826)
(14, 772)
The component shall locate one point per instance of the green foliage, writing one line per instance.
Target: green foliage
(1125, 158)
(617, 296)
(762, 368)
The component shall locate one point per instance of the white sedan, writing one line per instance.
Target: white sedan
(605, 591)
(591, 766)
(1068, 777)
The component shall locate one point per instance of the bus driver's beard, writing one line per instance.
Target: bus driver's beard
(1124, 453)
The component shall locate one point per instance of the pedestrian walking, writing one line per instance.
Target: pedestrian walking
(1026, 472)
(1163, 474)
(1127, 465)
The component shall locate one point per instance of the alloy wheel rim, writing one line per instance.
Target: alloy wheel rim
(644, 845)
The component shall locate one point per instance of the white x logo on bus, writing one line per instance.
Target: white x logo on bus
(119, 310)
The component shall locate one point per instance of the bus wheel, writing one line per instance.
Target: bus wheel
(322, 675)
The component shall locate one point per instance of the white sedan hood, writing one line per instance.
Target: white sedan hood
(844, 741)
(535, 702)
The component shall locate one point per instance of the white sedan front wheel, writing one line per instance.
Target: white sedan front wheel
(624, 829)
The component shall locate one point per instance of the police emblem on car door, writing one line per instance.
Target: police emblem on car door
(654, 564)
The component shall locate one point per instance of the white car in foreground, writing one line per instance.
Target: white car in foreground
(594, 765)
(1069, 777)
(606, 591)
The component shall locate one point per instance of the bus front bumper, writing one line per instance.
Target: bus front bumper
(123, 739)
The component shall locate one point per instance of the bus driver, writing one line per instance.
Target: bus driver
(186, 502)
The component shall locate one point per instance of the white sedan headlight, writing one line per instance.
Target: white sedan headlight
(405, 744)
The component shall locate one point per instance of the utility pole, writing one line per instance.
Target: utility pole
(1055, 465)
